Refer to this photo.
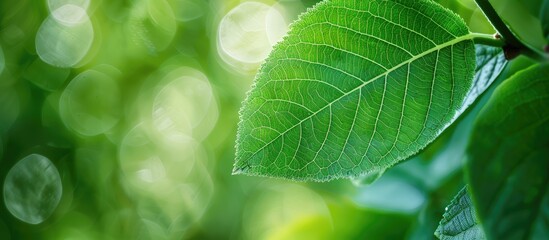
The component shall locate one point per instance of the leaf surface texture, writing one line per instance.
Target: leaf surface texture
(355, 87)
(508, 158)
(459, 222)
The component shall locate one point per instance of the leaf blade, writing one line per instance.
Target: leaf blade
(507, 166)
(490, 62)
(342, 119)
(459, 220)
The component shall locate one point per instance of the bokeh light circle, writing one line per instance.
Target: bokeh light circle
(32, 189)
(183, 205)
(147, 164)
(56, 4)
(183, 105)
(151, 25)
(167, 182)
(65, 37)
(247, 33)
(70, 15)
(90, 104)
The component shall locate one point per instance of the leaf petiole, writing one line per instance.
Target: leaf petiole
(487, 39)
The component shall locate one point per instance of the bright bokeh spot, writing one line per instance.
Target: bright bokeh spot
(65, 37)
(151, 25)
(162, 14)
(168, 182)
(32, 189)
(147, 164)
(248, 32)
(70, 14)
(280, 208)
(184, 105)
(180, 207)
(56, 4)
(90, 104)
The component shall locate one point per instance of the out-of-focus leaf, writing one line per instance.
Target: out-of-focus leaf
(522, 19)
(508, 158)
(341, 98)
(392, 193)
(532, 6)
(459, 221)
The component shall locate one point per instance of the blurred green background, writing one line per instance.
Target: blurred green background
(118, 121)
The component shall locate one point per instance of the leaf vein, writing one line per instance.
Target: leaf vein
(466, 37)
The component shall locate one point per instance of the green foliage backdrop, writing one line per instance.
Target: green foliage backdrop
(118, 121)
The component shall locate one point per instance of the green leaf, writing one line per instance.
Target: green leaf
(532, 6)
(508, 158)
(355, 87)
(490, 62)
(459, 221)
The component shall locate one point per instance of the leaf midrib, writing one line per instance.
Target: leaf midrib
(452, 42)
